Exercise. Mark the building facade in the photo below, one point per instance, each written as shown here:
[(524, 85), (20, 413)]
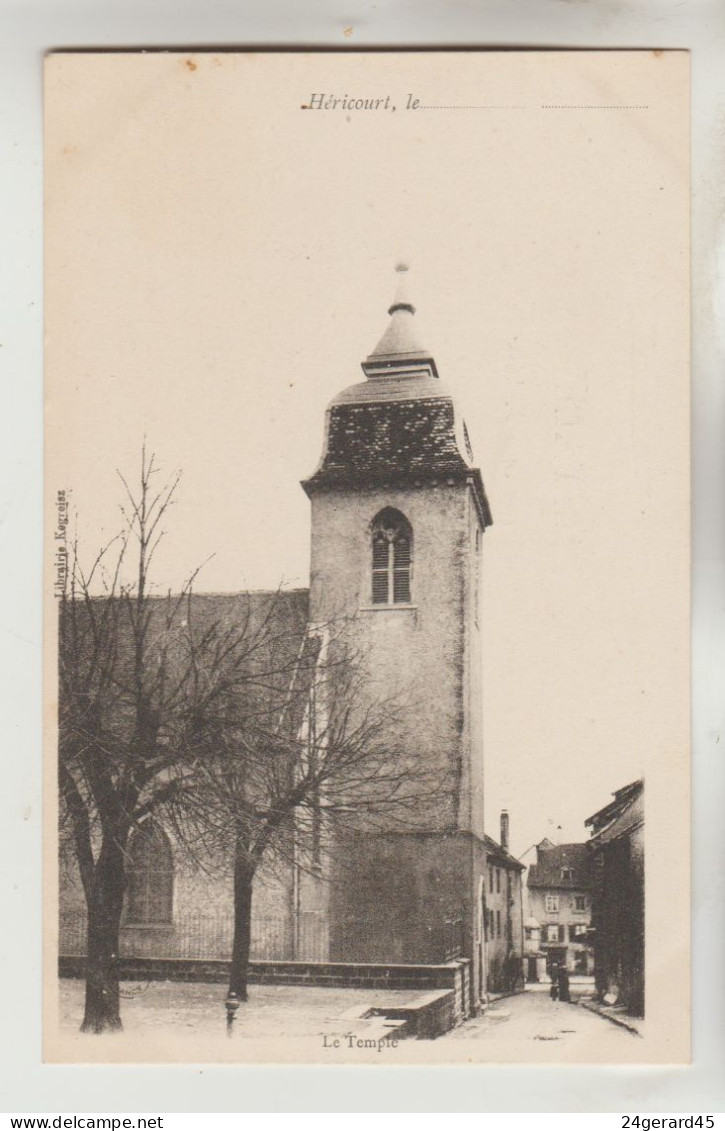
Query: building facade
[(616, 852), (559, 911), (504, 924)]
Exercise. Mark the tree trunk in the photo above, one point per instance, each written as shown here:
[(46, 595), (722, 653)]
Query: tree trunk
[(102, 1009), (243, 881)]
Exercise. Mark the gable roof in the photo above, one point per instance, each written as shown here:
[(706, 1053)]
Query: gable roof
[(564, 866), (498, 855), (267, 629), (620, 818), (622, 799)]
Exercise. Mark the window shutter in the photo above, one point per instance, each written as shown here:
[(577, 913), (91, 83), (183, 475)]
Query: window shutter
[(402, 552), (380, 552), (380, 587), (380, 569), (401, 567), (401, 587), (392, 553), (562, 935)]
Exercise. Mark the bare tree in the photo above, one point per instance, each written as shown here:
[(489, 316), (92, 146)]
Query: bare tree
[(144, 688), (303, 762), (255, 736)]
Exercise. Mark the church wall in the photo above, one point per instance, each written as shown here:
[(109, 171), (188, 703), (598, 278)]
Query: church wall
[(410, 898), (201, 925), (471, 811), (406, 898)]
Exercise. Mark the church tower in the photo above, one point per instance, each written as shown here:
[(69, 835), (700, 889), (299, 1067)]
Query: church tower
[(398, 514)]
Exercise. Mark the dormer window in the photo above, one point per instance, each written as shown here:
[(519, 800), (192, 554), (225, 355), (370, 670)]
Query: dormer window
[(392, 539)]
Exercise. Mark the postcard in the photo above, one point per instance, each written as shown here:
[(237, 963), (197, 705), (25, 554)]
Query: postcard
[(367, 557)]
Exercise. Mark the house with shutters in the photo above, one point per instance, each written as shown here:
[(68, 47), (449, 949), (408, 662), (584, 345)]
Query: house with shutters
[(558, 911), (398, 514), (504, 922)]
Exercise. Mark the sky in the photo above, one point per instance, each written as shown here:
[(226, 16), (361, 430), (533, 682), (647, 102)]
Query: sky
[(220, 262)]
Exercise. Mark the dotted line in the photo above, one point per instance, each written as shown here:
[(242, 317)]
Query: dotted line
[(544, 106), (555, 106), (471, 107)]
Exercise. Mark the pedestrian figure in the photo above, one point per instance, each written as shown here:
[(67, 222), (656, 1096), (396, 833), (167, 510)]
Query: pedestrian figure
[(554, 988), (512, 973), (563, 979)]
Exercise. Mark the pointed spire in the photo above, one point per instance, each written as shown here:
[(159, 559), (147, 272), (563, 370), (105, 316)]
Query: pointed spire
[(401, 300), (399, 344)]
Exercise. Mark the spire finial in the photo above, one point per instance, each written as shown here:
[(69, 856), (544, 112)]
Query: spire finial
[(401, 300), (399, 345)]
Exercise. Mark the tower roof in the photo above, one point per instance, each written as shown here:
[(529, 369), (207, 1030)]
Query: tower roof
[(400, 424), (400, 341), (399, 368)]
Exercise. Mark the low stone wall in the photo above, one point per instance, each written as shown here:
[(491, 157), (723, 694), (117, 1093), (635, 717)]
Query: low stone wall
[(431, 1016), (426, 1018)]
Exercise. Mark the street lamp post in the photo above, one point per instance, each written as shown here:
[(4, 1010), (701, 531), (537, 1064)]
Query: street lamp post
[(232, 1004)]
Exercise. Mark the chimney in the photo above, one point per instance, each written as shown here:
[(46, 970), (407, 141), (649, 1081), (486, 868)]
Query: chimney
[(505, 829)]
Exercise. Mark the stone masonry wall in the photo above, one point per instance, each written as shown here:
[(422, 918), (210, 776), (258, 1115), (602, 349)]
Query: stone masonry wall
[(202, 917), (416, 651)]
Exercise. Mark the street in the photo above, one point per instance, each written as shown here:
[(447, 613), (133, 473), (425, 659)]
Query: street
[(523, 1028), (568, 1031)]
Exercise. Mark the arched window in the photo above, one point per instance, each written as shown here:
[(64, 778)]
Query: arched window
[(149, 876), (392, 557)]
